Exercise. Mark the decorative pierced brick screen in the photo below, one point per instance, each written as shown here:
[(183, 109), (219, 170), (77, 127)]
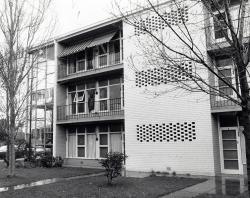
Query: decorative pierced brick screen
[(163, 75), (171, 132), (155, 22)]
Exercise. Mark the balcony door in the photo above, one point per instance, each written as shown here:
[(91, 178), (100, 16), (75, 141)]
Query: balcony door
[(225, 70), (230, 150)]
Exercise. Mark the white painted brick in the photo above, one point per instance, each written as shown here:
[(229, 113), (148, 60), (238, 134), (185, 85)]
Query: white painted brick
[(195, 157)]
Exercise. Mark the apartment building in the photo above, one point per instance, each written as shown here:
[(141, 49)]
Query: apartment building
[(104, 101)]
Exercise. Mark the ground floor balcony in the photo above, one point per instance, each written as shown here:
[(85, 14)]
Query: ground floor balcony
[(86, 143), (106, 109)]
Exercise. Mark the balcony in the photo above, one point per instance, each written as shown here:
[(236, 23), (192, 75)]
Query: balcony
[(215, 38), (220, 104), (99, 64), (42, 97), (111, 109)]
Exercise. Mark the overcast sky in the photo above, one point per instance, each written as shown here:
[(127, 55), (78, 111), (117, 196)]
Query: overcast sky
[(74, 14)]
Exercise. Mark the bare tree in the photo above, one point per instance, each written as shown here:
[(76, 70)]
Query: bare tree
[(169, 43), (21, 27)]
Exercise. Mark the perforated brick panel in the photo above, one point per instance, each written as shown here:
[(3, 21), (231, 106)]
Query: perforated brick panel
[(155, 22), (171, 132), (163, 75)]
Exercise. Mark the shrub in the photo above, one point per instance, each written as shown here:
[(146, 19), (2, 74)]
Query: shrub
[(49, 161), (58, 161), (152, 173), (113, 164)]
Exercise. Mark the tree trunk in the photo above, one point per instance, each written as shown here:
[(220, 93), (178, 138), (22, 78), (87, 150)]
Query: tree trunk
[(12, 140), (11, 155)]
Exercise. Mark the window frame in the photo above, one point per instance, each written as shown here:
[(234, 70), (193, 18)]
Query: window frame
[(221, 68), (103, 146), (76, 91), (82, 145), (77, 65), (226, 29)]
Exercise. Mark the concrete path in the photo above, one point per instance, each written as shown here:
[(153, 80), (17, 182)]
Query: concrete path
[(47, 181), (232, 186)]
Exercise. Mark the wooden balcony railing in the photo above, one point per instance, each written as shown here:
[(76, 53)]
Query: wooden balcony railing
[(81, 110), (98, 62)]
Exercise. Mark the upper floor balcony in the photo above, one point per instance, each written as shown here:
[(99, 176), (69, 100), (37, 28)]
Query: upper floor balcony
[(109, 109), (223, 104), (215, 32), (42, 98), (91, 57)]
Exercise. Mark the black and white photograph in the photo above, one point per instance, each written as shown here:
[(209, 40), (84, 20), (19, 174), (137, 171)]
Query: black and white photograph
[(124, 98)]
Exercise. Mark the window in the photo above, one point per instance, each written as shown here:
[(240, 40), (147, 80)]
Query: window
[(80, 145), (103, 96), (81, 102), (90, 58), (115, 97), (220, 29), (103, 128), (103, 56), (72, 142), (110, 94), (228, 121), (218, 5), (114, 52), (71, 65), (81, 65), (115, 127), (102, 49), (72, 101), (225, 68), (91, 99), (103, 144), (76, 99)]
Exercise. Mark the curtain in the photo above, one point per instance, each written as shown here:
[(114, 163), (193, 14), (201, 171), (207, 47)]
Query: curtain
[(71, 145), (116, 142), (91, 100), (91, 146)]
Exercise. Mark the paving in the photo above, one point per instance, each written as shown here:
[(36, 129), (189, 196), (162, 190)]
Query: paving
[(46, 181), (232, 186)]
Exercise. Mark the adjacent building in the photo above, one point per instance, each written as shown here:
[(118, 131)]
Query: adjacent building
[(40, 99)]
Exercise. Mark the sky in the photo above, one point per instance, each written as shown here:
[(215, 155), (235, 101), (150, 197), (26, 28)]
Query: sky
[(75, 14)]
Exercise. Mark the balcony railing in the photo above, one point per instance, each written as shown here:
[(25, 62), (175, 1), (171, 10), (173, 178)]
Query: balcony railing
[(81, 110), (39, 96), (100, 61), (219, 102), (211, 40)]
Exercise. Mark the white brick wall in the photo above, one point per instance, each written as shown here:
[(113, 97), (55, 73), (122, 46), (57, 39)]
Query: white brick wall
[(141, 107)]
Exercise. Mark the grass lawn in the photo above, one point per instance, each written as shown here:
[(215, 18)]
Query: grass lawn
[(244, 195), (27, 175), (96, 187)]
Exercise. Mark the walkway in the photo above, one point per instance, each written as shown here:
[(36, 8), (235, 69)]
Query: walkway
[(47, 181), (232, 186)]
